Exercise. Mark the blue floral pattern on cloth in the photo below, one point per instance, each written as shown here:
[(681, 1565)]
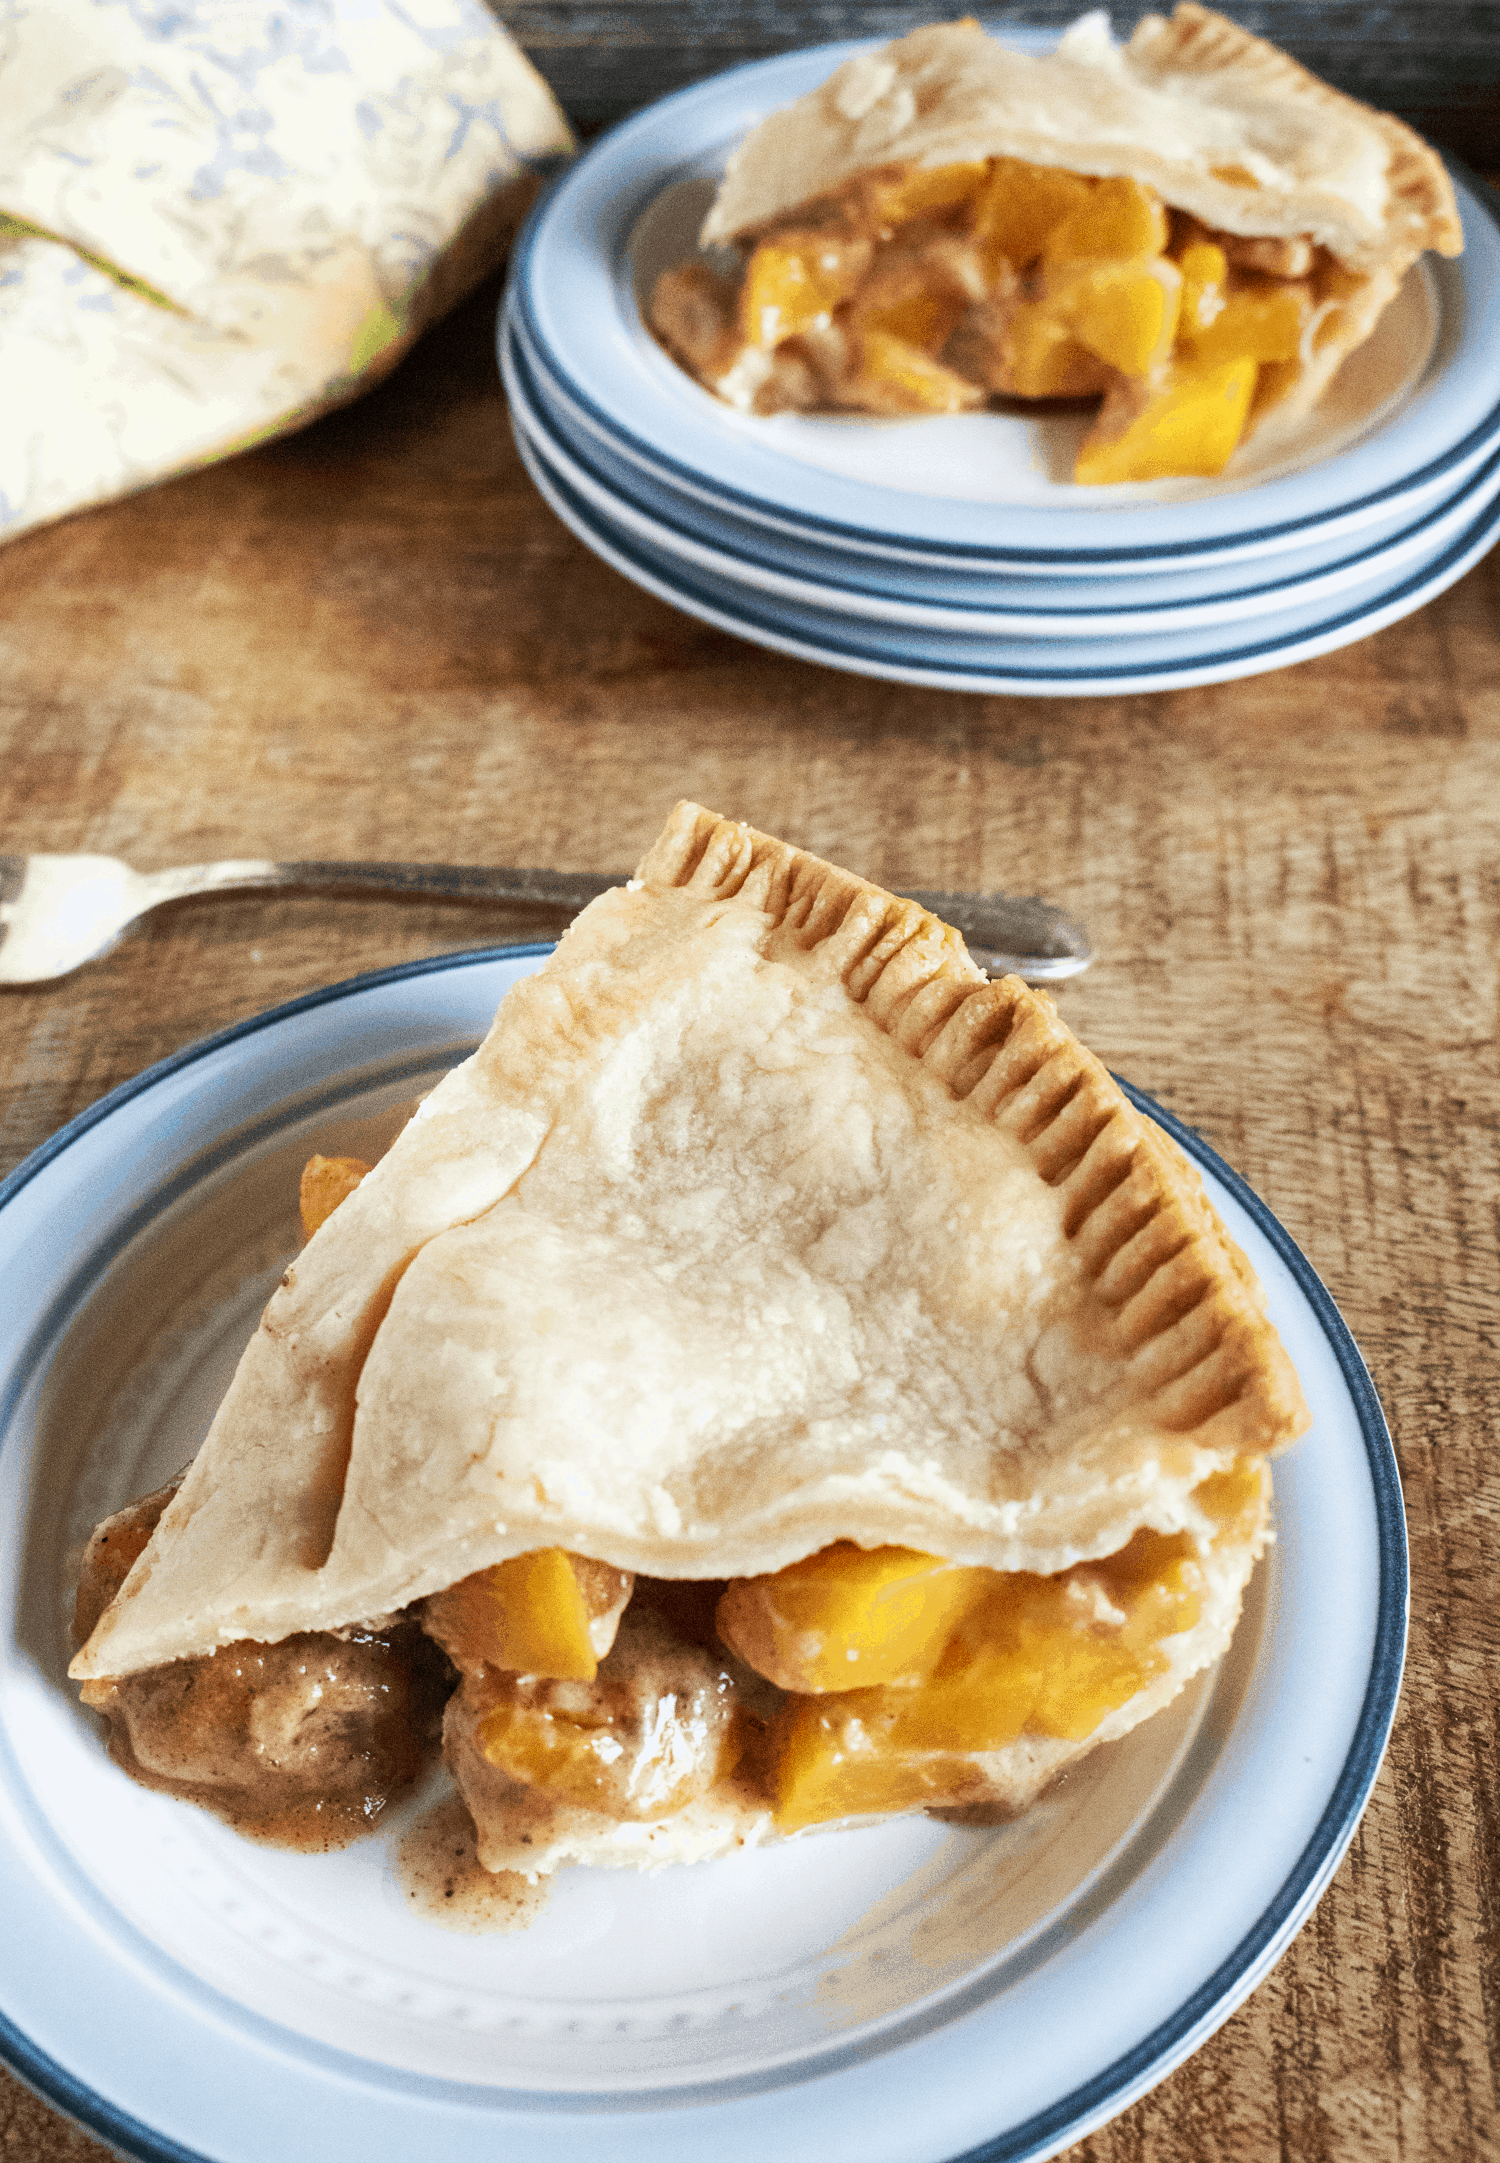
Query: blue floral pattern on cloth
[(218, 217)]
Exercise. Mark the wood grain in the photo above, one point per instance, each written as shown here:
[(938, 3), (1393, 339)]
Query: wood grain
[(1435, 62), (374, 639)]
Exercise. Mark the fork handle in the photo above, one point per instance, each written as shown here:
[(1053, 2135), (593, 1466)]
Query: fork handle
[(1004, 932), (455, 882)]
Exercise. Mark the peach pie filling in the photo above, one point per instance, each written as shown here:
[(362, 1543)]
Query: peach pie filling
[(853, 1682), (933, 289)]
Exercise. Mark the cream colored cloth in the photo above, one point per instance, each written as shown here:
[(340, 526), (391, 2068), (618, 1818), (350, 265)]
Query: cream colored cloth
[(218, 219)]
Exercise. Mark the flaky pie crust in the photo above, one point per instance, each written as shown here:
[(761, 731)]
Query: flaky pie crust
[(1219, 122), (759, 1220)]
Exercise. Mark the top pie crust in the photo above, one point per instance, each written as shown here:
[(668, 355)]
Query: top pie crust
[(759, 1220), (1220, 123)]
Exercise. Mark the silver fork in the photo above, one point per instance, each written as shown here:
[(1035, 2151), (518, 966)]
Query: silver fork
[(57, 912)]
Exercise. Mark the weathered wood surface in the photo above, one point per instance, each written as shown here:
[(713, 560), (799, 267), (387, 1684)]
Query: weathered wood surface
[(374, 639), (1436, 62)]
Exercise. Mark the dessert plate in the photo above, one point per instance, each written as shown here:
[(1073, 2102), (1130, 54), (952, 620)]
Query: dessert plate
[(1371, 568), (911, 1994), (934, 578), (1418, 410), (1055, 667)]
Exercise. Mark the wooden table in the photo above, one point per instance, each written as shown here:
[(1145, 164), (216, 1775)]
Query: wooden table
[(373, 639)]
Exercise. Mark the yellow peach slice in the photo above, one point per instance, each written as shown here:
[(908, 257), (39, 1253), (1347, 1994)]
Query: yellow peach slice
[(924, 320), (326, 1181), (836, 1757), (601, 1756), (1204, 272), (529, 1616), (1187, 422), (848, 1616), (796, 280), (628, 1761), (1124, 313), (1043, 359), (1237, 1500), (932, 191), (1262, 324), (1042, 1655), (1021, 207), (1121, 219), (572, 1757), (895, 376)]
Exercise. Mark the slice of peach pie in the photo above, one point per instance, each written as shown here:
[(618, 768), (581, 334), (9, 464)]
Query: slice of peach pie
[(1190, 228), (780, 1370)]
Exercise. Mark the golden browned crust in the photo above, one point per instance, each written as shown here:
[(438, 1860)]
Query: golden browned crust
[(1170, 1290)]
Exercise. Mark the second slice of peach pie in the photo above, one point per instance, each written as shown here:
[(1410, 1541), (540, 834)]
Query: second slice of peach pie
[(1189, 228), (780, 1370)]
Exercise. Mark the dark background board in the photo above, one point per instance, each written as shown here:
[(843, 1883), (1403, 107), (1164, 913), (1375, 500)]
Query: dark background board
[(1435, 62)]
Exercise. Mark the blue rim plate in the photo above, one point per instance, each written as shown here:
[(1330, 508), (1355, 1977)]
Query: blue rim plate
[(1370, 569), (1048, 668), (1197, 569), (1026, 586), (1261, 549), (572, 288), (156, 2051)]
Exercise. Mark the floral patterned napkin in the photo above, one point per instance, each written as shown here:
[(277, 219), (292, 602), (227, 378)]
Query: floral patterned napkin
[(218, 217)]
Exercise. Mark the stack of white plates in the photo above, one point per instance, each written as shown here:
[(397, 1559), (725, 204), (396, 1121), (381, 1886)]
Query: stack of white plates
[(955, 551)]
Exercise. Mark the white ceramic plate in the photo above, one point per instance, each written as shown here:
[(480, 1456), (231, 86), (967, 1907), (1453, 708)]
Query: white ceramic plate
[(973, 484), (1046, 668), (910, 1994), (1370, 570), (940, 581)]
